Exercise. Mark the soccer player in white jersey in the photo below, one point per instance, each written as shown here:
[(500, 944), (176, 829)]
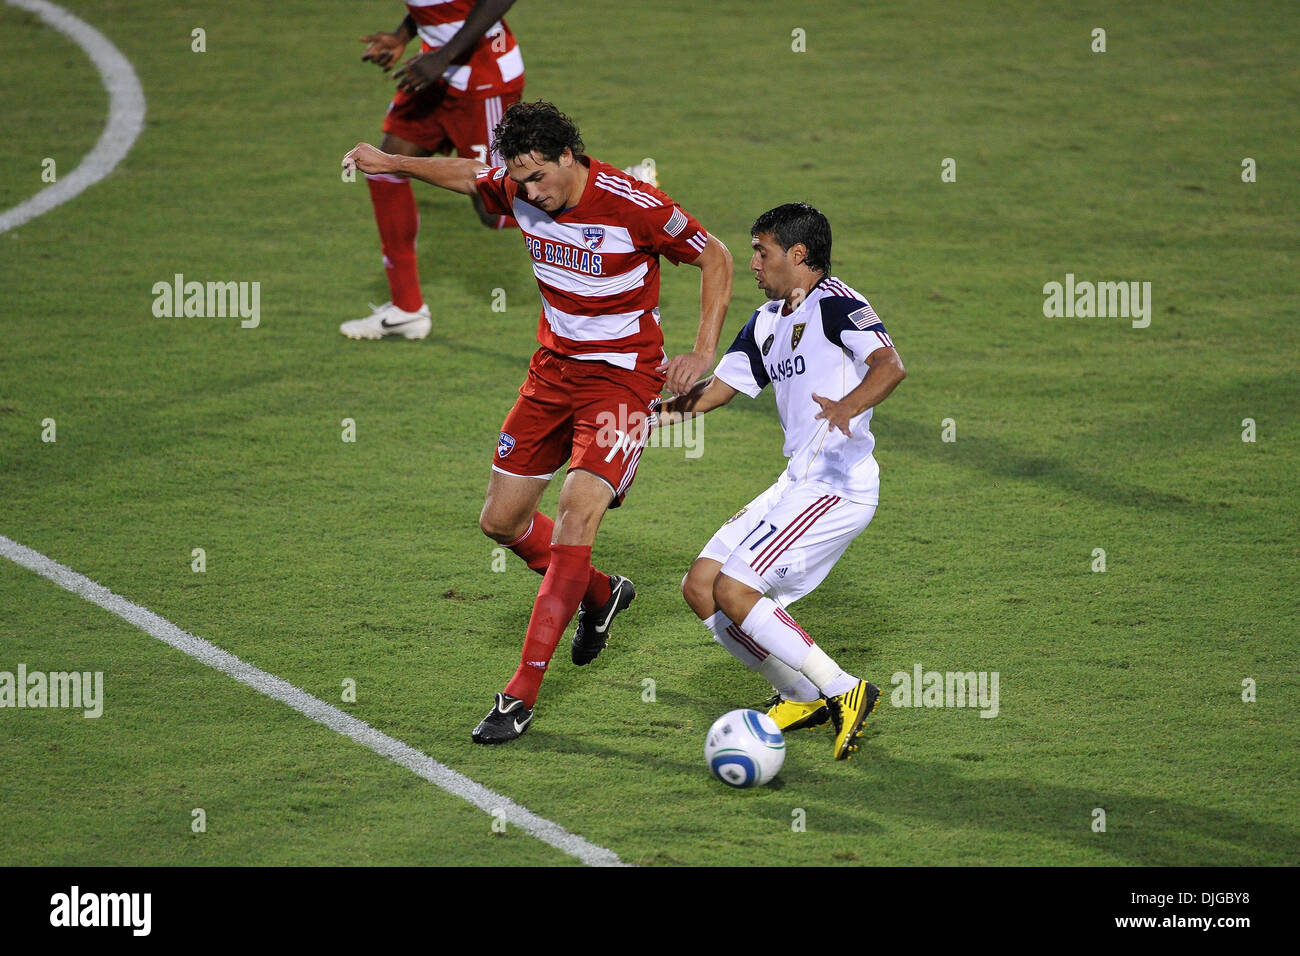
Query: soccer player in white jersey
[(830, 362)]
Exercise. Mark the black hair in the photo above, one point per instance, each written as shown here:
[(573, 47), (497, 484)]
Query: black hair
[(536, 128), (797, 222)]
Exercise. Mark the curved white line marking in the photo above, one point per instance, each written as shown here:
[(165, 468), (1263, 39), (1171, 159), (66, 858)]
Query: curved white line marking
[(125, 113), (421, 764)]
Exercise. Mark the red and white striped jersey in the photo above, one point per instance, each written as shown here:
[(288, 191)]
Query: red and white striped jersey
[(492, 67), (597, 263)]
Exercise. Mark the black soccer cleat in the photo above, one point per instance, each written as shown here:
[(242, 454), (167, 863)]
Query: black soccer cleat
[(507, 719), (593, 626)]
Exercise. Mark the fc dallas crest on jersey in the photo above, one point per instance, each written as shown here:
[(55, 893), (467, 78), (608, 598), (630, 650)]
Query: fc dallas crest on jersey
[(593, 236)]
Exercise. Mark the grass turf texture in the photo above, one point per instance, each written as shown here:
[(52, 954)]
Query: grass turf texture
[(327, 560)]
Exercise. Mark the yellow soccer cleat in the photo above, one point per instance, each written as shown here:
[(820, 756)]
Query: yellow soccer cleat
[(848, 711), (796, 715)]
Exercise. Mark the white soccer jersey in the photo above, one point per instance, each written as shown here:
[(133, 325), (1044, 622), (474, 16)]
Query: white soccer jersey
[(821, 347)]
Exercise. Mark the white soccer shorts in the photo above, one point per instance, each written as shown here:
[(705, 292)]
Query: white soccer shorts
[(785, 541)]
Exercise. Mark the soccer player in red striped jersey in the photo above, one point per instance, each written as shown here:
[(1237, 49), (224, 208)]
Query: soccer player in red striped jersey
[(449, 96), (595, 236), (829, 360)]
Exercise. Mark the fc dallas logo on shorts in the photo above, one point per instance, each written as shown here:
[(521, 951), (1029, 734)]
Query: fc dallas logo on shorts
[(594, 236), (505, 445)]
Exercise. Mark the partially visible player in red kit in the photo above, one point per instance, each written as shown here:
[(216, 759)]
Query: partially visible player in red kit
[(450, 96), (595, 235)]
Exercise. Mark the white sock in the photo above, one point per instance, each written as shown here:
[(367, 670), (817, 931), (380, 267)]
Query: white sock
[(826, 674), (735, 641), (787, 682), (790, 684), (776, 632)]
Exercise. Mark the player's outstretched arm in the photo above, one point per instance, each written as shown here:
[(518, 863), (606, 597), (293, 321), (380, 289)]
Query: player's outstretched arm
[(884, 372), (705, 396), (714, 264), (458, 175)]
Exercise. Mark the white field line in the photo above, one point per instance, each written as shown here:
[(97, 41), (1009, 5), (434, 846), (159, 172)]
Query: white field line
[(125, 114), (337, 720)]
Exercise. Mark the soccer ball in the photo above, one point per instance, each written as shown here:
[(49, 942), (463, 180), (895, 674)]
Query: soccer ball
[(744, 748)]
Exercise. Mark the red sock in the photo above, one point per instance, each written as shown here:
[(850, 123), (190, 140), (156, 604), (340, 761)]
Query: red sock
[(534, 545), (398, 222), (557, 602), (598, 590), (535, 548)]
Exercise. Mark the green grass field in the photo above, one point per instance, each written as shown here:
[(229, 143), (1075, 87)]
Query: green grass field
[(329, 561)]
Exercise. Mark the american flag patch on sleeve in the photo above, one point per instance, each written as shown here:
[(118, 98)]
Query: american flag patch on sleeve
[(865, 317), (676, 223)]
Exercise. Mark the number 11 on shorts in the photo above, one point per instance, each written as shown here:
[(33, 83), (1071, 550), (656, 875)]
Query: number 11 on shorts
[(759, 527)]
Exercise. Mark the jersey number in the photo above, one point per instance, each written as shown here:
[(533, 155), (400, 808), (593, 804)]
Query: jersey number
[(759, 527), (624, 444)]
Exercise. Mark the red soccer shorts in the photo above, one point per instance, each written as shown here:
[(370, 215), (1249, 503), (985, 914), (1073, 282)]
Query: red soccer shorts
[(591, 414), (438, 121)]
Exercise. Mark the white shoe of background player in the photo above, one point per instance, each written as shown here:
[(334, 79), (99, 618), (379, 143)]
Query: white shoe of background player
[(388, 319), (646, 171)]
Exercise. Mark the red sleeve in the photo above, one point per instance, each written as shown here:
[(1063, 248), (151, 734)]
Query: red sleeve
[(672, 232), (493, 185)]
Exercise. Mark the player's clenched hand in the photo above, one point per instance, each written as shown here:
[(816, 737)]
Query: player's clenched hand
[(422, 71), (836, 413), (682, 372), (368, 159), (383, 49)]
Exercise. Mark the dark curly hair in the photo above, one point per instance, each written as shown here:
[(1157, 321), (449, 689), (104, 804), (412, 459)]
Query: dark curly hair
[(539, 128), (797, 222)]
